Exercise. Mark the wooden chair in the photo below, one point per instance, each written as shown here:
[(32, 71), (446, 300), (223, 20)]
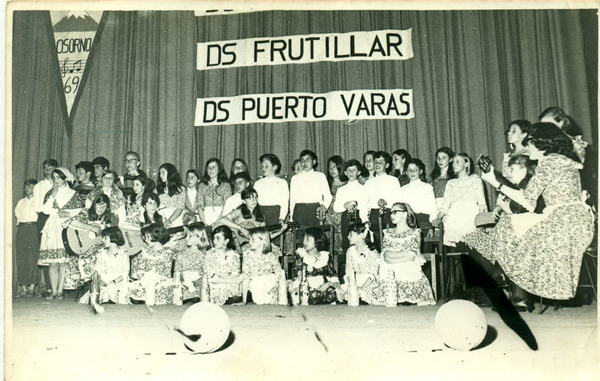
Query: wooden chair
[(432, 249), (293, 240)]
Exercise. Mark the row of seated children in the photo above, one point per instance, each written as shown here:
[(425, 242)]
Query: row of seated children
[(216, 273)]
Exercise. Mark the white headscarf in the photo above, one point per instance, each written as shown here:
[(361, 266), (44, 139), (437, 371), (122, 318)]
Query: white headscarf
[(69, 176)]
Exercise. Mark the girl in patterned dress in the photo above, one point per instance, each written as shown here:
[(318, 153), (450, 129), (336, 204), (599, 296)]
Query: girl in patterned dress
[(151, 270), (262, 274), (336, 179), (213, 191), (111, 276), (60, 203), (189, 263), (222, 267), (362, 267), (401, 263), (542, 253), (170, 190), (322, 278), (463, 200), (90, 221), (134, 207)]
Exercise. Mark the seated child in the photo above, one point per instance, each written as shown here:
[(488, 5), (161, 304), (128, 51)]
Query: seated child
[(322, 278), (110, 280), (189, 263), (262, 274), (362, 266), (151, 270), (401, 262), (222, 268)]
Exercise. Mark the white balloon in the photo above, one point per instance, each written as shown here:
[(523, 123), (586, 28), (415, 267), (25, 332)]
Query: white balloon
[(461, 324), (205, 327)]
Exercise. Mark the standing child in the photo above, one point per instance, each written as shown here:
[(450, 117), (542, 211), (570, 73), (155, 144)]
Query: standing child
[(262, 274), (28, 243), (402, 260), (222, 267), (189, 263), (314, 258), (362, 266), (110, 280), (152, 269)]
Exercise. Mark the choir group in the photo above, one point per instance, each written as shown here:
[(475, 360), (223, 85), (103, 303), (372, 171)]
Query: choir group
[(211, 235)]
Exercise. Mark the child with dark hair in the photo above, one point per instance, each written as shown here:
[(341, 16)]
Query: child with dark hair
[(239, 181), (222, 268), (362, 267), (213, 191), (273, 191), (442, 171), (27, 243), (150, 203), (110, 280), (566, 123), (247, 216), (170, 190), (309, 192), (151, 269), (402, 260), (313, 265), (101, 164), (84, 172), (400, 159), (418, 193)]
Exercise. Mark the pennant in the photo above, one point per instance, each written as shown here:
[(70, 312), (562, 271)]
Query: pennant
[(74, 33)]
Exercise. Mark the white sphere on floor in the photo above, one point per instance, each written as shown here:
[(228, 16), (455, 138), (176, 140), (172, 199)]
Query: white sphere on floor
[(461, 324), (205, 327)]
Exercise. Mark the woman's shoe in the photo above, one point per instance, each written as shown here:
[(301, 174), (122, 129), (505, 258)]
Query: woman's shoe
[(51, 296), (59, 297)]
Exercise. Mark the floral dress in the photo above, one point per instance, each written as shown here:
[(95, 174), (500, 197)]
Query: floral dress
[(190, 264), (168, 205), (264, 273), (323, 281), (411, 284), (463, 200), (542, 253), (52, 248), (365, 266), (335, 219), (222, 265), (114, 271), (211, 199), (153, 267)]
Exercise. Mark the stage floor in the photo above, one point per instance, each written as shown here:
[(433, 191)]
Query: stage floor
[(53, 340)]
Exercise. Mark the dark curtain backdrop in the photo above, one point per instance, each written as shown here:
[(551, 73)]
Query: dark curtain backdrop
[(472, 73)]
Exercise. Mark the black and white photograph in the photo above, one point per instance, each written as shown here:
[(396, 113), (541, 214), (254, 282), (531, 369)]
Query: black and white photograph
[(301, 190)]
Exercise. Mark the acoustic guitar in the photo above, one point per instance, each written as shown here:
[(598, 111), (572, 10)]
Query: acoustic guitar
[(485, 164), (79, 241)]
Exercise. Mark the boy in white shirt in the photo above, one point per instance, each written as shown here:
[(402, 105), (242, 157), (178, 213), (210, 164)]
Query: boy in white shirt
[(308, 191)]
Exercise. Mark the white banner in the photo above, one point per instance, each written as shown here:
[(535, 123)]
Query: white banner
[(291, 107), (365, 46)]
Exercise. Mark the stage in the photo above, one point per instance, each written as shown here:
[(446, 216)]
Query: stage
[(65, 340)]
